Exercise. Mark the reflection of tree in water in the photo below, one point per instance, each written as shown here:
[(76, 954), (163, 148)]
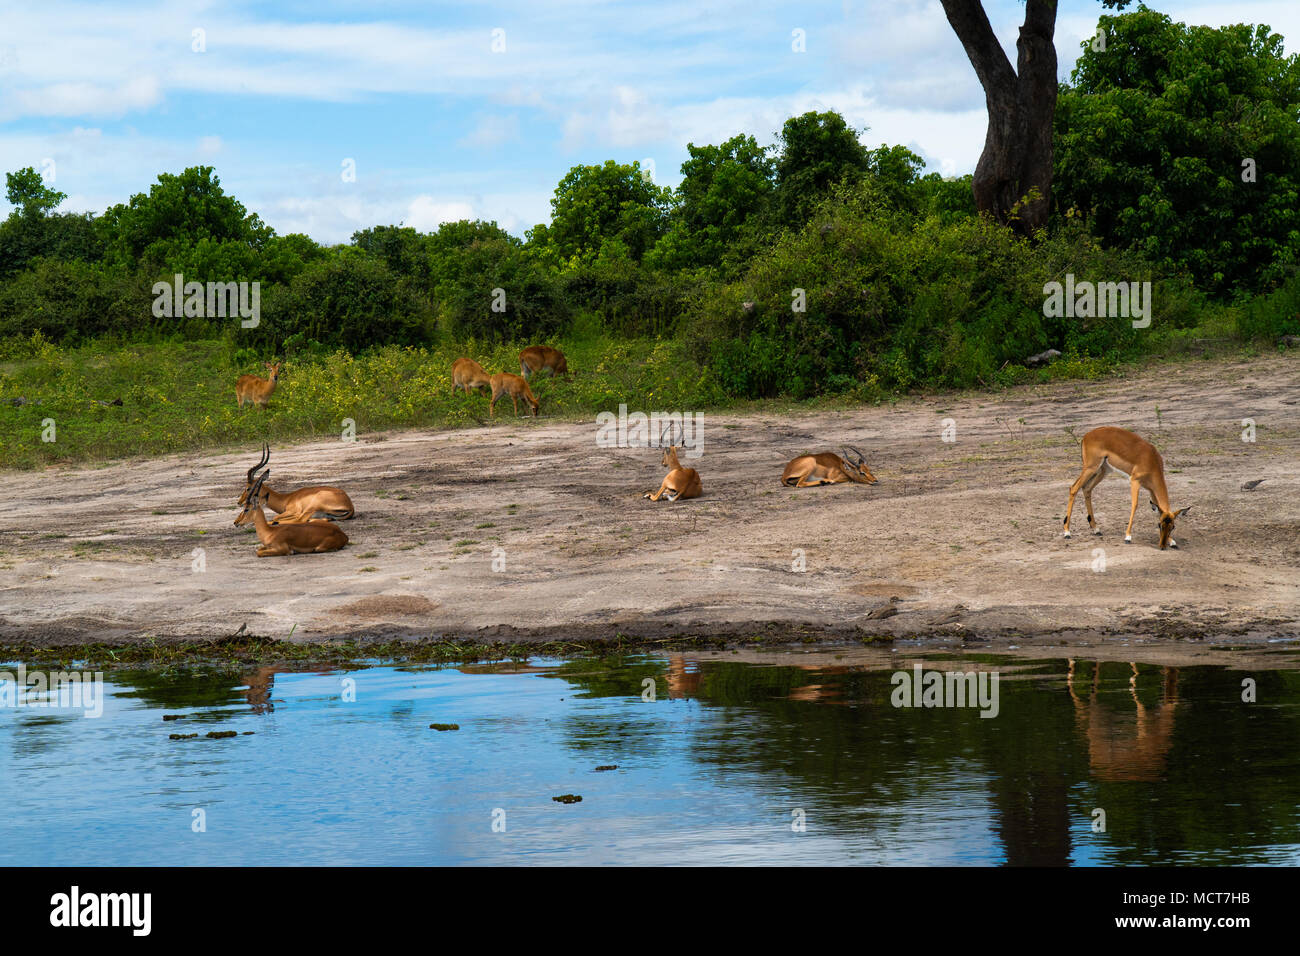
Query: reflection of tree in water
[(213, 689), (862, 756)]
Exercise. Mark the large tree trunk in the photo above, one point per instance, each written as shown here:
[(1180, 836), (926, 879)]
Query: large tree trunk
[(1013, 180)]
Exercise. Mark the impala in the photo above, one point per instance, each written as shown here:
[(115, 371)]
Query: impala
[(503, 383), (257, 391), (310, 537), (467, 374), (297, 506), (537, 357), (828, 468), (1108, 449), (679, 483)]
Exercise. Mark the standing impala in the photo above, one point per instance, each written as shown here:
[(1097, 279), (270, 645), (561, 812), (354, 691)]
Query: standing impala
[(828, 468), (309, 537), (1108, 449), (297, 506), (467, 374), (679, 483), (503, 383), (537, 357), (257, 391)]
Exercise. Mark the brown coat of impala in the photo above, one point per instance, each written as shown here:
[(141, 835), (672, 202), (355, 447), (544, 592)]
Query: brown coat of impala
[(467, 374), (503, 383), (257, 391), (309, 537), (828, 468), (680, 483), (296, 506), (1108, 449), (537, 357)]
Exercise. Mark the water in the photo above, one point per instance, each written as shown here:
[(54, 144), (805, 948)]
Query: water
[(733, 761)]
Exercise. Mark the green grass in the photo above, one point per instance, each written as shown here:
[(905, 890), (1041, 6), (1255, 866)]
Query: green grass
[(178, 396)]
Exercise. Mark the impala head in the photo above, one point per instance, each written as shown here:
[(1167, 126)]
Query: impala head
[(252, 500), (275, 370), (1167, 519), (856, 461), (253, 481), (669, 456)]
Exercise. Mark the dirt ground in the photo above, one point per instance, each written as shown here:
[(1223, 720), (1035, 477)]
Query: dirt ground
[(959, 541)]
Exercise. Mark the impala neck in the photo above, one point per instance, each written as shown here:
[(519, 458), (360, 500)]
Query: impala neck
[(672, 458), (262, 525), (1159, 492)]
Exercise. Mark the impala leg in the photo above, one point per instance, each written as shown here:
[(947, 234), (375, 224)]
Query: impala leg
[(1087, 498), (273, 550), (1074, 490), (492, 407), (1137, 490), (655, 496)]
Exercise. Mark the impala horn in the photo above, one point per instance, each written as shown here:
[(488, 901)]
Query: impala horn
[(266, 456)]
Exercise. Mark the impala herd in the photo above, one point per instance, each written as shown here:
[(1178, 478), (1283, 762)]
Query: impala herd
[(295, 529)]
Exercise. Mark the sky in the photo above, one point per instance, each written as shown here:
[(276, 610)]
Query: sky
[(327, 117)]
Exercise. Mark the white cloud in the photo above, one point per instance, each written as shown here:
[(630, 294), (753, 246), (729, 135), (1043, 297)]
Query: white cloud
[(492, 132), (426, 214)]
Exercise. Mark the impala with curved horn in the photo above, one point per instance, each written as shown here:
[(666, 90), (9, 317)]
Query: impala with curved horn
[(679, 483), (296, 506), (309, 537), (828, 468), (1108, 449)]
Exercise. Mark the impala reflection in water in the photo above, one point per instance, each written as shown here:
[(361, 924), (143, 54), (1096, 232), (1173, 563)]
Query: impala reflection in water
[(684, 759)]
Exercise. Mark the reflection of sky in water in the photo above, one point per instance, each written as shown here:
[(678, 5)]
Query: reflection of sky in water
[(327, 782)]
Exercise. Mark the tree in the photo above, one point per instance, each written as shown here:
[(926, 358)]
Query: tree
[(178, 212), (28, 194), (818, 150), (1013, 178), (1182, 142), (722, 189), (597, 204)]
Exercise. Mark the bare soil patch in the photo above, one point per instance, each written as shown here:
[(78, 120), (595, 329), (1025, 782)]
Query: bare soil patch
[(959, 541)]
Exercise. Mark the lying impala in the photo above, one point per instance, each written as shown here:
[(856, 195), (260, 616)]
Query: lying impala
[(309, 537), (680, 483), (1108, 449), (828, 468), (537, 357), (297, 506), (257, 391), (467, 374), (503, 383)]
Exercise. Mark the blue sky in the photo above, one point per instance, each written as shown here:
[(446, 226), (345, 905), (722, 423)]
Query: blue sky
[(107, 95)]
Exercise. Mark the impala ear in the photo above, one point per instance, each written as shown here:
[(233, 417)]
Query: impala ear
[(1179, 514), (1153, 505)]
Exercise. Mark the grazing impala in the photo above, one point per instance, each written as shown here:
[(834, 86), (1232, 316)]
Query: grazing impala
[(828, 468), (297, 506), (309, 537), (503, 383), (257, 391), (680, 483), (467, 374), (1108, 449), (537, 357)]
